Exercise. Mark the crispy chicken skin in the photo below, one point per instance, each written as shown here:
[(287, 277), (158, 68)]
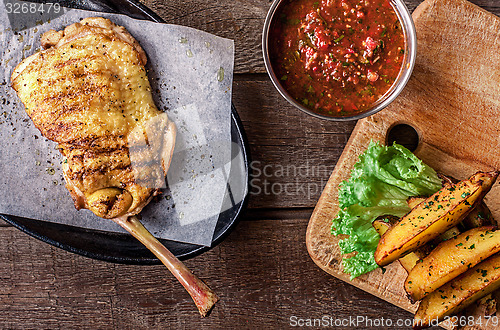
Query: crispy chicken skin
[(89, 92)]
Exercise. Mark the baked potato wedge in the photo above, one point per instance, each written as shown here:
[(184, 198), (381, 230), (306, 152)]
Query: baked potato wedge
[(408, 261), (434, 216), (414, 201), (450, 259), (383, 223), (480, 216), (452, 232), (461, 292), (447, 180)]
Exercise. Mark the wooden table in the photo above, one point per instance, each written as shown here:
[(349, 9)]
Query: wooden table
[(262, 271)]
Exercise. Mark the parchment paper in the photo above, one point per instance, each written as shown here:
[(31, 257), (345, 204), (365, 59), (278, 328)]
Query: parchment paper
[(190, 72)]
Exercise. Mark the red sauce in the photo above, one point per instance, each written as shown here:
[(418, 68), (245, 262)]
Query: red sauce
[(337, 57)]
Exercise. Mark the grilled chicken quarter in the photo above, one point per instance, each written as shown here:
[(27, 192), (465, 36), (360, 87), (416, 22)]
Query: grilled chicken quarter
[(89, 92)]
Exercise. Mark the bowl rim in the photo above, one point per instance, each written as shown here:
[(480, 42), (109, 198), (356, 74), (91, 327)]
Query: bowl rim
[(404, 75)]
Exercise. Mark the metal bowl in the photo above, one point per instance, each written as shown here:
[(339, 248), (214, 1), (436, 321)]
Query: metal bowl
[(410, 37)]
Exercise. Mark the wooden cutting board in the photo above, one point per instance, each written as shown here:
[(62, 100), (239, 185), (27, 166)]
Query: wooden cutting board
[(453, 102)]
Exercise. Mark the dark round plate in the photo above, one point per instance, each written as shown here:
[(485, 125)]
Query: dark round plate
[(123, 248)]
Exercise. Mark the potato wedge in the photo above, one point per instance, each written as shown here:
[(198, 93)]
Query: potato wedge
[(382, 224), (449, 234), (411, 259), (408, 261), (414, 201), (450, 259), (479, 216), (454, 296), (452, 232), (447, 180), (434, 216)]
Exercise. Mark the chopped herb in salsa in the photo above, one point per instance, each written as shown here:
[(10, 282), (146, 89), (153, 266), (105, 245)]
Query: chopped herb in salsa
[(338, 56)]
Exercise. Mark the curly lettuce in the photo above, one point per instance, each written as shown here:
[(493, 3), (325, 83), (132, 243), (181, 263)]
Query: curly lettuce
[(381, 182)]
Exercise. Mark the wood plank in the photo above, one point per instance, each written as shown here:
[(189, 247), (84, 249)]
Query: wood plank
[(262, 282), (242, 21), (450, 95)]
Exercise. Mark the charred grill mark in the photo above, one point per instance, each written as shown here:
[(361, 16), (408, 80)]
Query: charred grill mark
[(73, 78), (82, 172), (55, 131), (77, 159), (55, 82), (84, 89), (59, 129), (98, 143), (57, 106), (59, 65), (86, 162), (121, 177), (84, 60)]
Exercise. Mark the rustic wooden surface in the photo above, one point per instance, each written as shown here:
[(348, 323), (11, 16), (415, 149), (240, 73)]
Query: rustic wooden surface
[(262, 271), (450, 91)]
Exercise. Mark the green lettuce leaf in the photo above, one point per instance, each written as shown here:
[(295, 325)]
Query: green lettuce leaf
[(381, 182)]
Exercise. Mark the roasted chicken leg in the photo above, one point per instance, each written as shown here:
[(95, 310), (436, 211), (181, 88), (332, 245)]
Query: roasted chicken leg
[(89, 92)]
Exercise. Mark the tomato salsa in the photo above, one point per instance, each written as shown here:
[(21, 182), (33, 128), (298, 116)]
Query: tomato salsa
[(336, 57)]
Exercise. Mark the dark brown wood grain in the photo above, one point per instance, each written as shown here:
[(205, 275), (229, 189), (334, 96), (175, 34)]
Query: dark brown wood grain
[(261, 281)]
